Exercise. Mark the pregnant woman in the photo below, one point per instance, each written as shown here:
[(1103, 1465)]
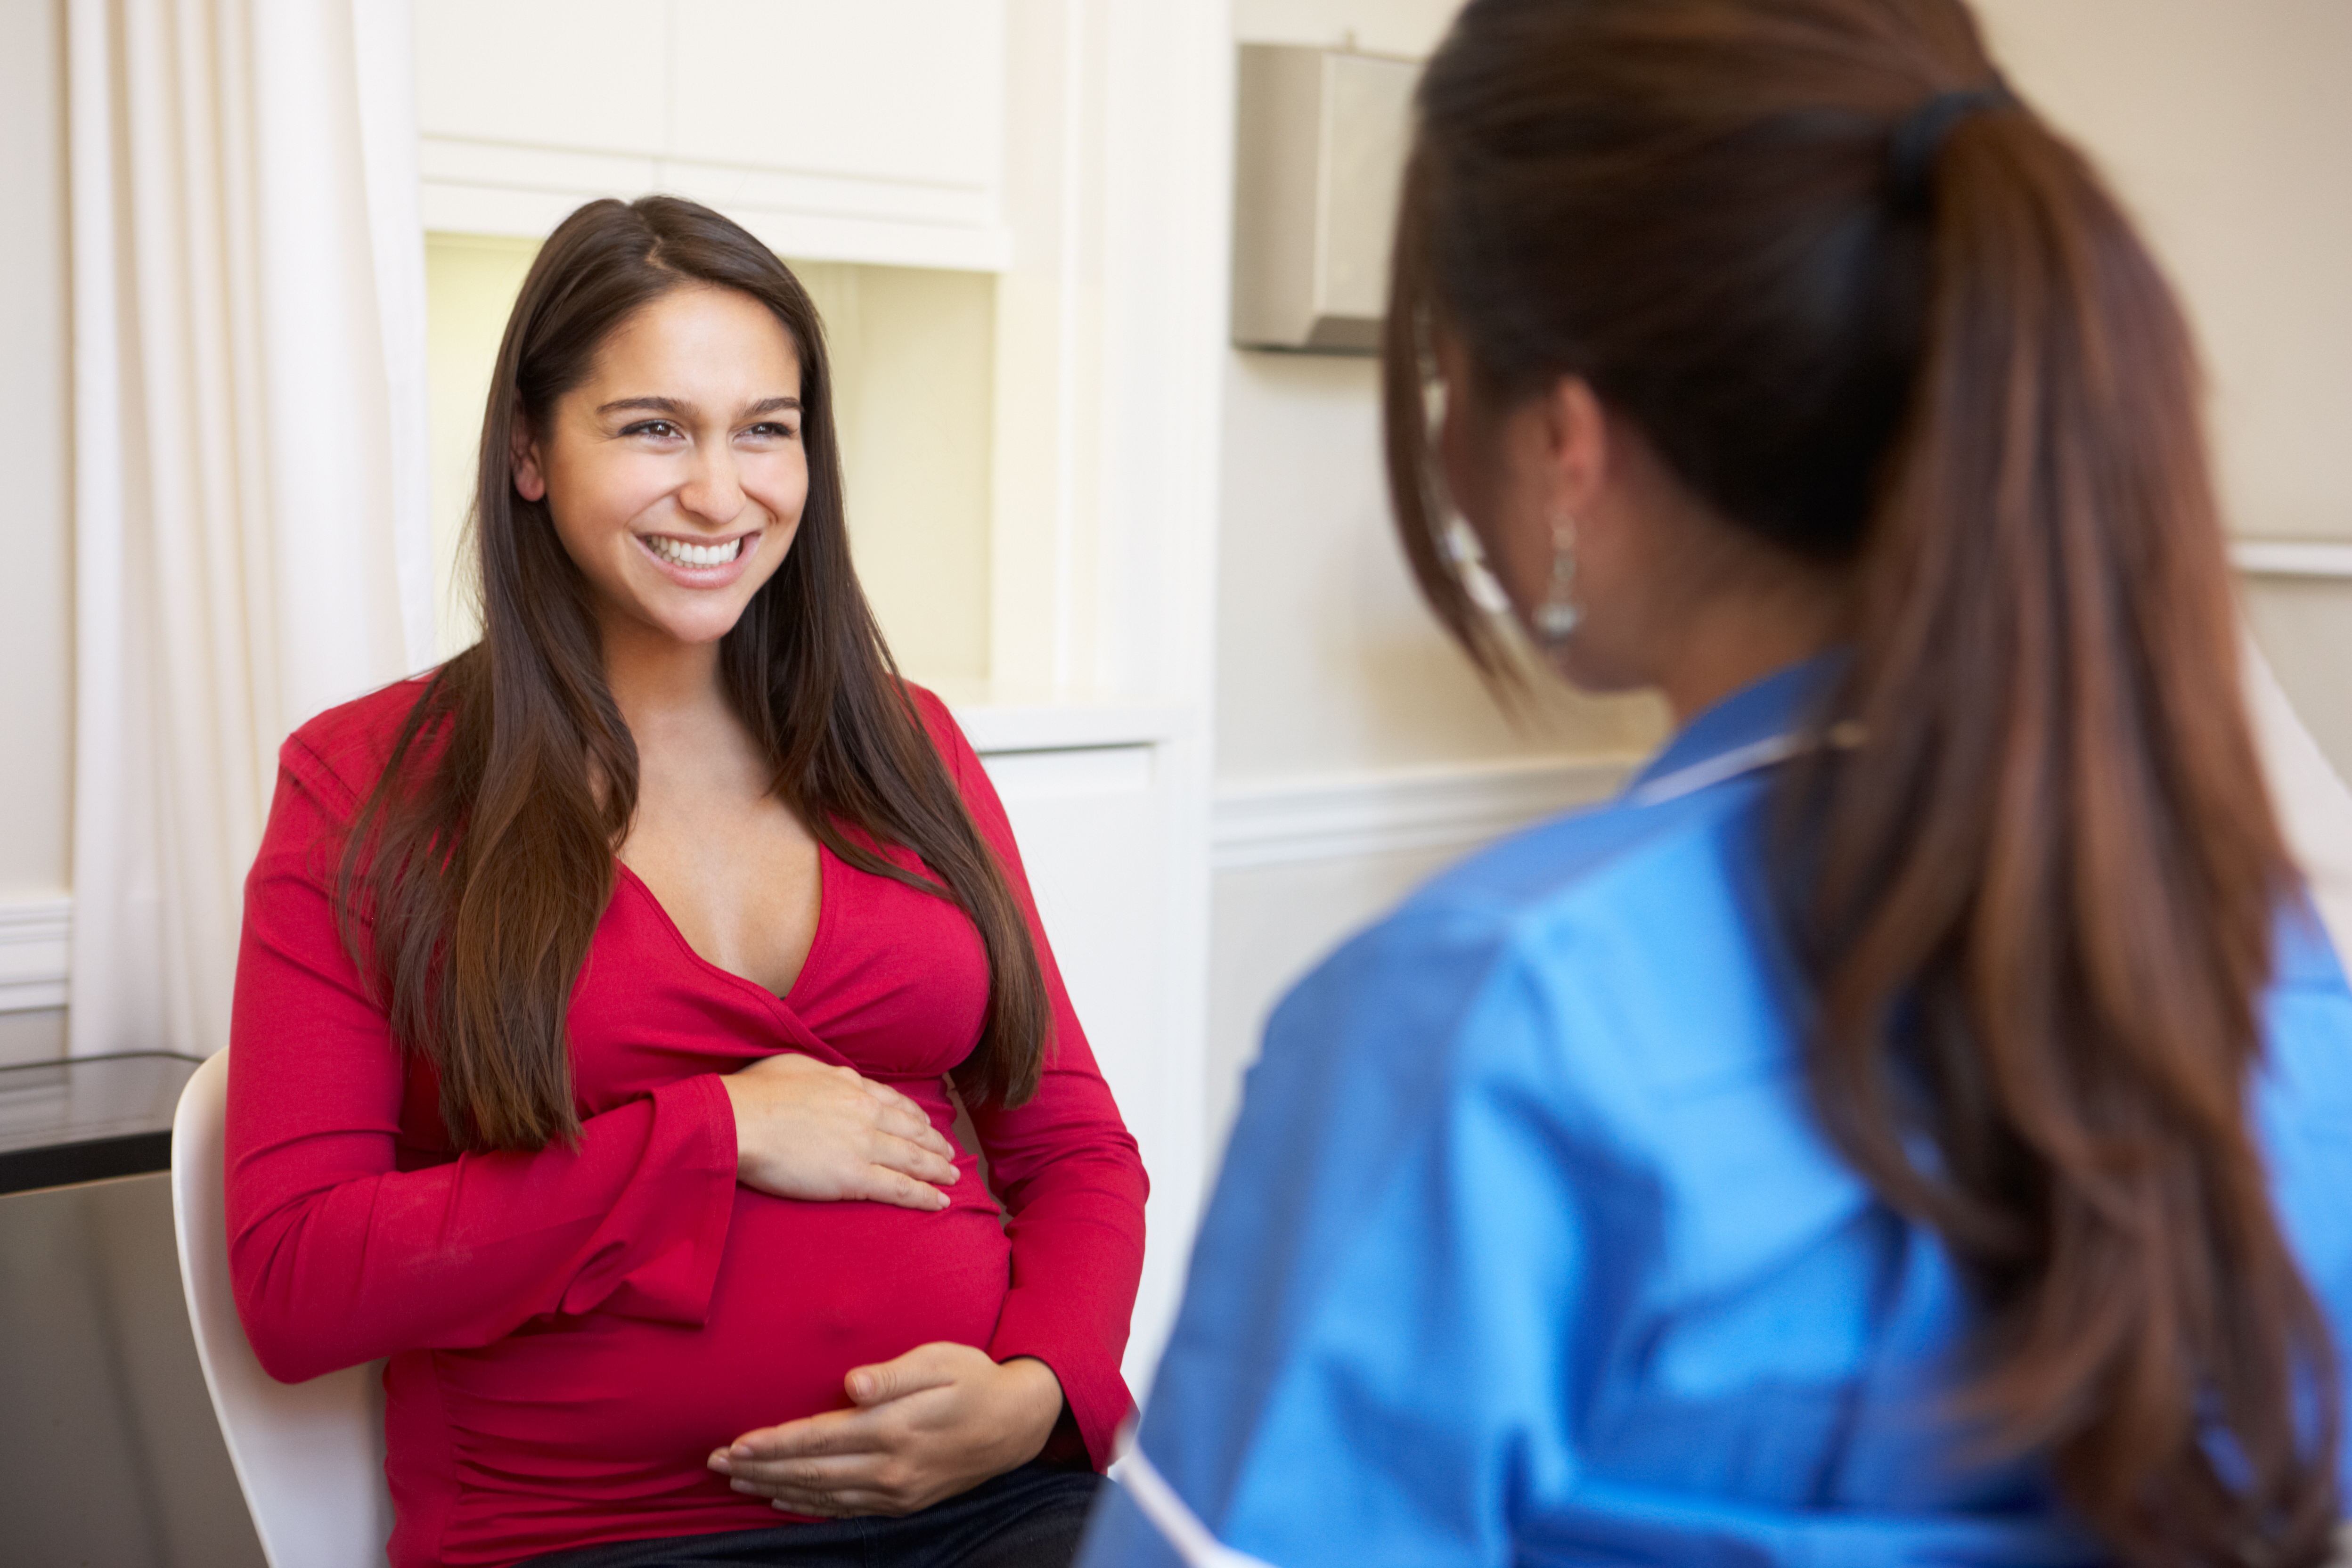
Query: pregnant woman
[(607, 997)]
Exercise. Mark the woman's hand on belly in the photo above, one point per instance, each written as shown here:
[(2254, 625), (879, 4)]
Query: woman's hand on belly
[(804, 1129), (937, 1421)]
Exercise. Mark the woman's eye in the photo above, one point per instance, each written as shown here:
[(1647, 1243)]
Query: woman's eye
[(659, 429), (773, 430)]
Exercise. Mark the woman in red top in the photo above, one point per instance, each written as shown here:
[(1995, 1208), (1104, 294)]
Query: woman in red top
[(602, 993)]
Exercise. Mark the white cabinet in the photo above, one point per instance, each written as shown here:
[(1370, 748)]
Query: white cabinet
[(587, 76), (1098, 800), (909, 91), (868, 132)]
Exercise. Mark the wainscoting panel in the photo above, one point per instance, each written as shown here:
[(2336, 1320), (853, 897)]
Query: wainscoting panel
[(1386, 812), (1297, 866)]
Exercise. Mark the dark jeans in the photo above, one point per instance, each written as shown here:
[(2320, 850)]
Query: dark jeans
[(1028, 1518)]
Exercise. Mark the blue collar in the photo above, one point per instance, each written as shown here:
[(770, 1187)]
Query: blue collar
[(1759, 724)]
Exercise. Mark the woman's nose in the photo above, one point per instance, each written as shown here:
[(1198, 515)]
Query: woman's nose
[(713, 491)]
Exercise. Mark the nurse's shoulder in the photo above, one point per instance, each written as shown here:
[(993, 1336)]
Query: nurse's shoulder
[(1622, 923), (1616, 973)]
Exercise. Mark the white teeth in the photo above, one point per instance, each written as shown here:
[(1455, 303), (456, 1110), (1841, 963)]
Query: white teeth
[(679, 552)]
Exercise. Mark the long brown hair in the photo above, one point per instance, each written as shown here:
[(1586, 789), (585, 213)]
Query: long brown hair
[(478, 868), (2036, 901)]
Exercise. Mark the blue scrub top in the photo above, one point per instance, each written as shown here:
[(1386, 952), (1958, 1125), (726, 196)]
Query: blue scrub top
[(1526, 1249)]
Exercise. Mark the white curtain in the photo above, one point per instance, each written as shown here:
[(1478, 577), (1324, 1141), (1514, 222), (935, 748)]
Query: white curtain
[(251, 534)]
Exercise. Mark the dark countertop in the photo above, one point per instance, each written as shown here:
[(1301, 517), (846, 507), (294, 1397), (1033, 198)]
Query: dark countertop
[(87, 1119)]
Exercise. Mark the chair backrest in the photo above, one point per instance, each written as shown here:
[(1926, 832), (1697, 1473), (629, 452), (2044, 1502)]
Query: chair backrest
[(308, 1454)]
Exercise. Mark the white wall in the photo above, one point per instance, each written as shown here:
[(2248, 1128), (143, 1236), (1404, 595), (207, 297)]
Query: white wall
[(470, 284), (914, 366), (2227, 126), (2227, 131), (36, 527), (1328, 661), (1336, 693), (1269, 925), (2305, 628)]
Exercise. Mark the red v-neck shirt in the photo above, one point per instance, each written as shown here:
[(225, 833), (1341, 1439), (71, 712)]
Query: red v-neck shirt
[(571, 1332)]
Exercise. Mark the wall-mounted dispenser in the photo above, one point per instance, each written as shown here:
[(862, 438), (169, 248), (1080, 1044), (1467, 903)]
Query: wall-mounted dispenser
[(1319, 145)]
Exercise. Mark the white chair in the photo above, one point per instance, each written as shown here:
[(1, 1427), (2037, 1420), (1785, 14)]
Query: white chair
[(309, 1456)]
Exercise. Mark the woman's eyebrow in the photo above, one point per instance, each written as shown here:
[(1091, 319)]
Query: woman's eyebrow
[(678, 408)]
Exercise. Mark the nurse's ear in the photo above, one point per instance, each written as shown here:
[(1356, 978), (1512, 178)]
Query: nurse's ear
[(1576, 444), (530, 475)]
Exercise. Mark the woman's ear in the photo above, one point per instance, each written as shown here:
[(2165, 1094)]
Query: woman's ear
[(1577, 444), (530, 479)]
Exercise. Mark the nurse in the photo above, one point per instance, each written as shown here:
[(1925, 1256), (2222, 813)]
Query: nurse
[(1913, 1124)]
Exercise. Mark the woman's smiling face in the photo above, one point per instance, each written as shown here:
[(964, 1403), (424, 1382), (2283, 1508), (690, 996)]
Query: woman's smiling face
[(675, 472)]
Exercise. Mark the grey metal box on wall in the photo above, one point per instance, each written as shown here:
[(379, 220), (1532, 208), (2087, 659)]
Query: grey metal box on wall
[(1319, 148)]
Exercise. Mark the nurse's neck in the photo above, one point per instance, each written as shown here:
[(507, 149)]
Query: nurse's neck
[(1681, 600), (1737, 643), (1676, 597)]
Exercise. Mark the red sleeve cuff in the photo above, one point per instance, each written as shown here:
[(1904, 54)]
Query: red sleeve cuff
[(693, 1144), (1092, 1387)]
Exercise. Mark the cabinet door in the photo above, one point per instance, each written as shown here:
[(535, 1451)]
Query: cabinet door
[(586, 75), (1094, 825), (868, 132), (906, 90)]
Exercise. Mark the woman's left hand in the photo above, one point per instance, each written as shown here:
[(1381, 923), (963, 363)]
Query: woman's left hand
[(937, 1421)]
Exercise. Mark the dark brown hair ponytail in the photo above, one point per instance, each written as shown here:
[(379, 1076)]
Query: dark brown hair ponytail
[(2037, 900), (473, 879)]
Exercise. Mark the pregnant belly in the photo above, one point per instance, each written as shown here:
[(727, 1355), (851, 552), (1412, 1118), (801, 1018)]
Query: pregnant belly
[(631, 1408)]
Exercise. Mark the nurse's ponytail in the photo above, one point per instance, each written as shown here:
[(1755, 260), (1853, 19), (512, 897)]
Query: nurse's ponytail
[(2054, 853), (1875, 311)]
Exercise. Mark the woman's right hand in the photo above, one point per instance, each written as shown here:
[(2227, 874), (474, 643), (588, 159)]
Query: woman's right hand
[(804, 1129)]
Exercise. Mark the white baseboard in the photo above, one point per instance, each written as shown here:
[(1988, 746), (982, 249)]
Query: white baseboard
[(34, 934), (1383, 813)]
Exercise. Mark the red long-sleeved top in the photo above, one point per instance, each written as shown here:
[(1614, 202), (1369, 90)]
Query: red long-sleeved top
[(571, 1332)]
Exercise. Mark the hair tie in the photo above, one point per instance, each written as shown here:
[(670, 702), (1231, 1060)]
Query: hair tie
[(1918, 140)]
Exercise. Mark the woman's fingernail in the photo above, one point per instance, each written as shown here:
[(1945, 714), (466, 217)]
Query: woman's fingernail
[(719, 1462)]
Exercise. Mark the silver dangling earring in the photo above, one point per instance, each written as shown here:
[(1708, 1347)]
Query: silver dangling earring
[(1556, 616), (1467, 558)]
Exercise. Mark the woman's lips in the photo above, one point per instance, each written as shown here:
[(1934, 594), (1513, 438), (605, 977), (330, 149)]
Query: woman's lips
[(713, 574)]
